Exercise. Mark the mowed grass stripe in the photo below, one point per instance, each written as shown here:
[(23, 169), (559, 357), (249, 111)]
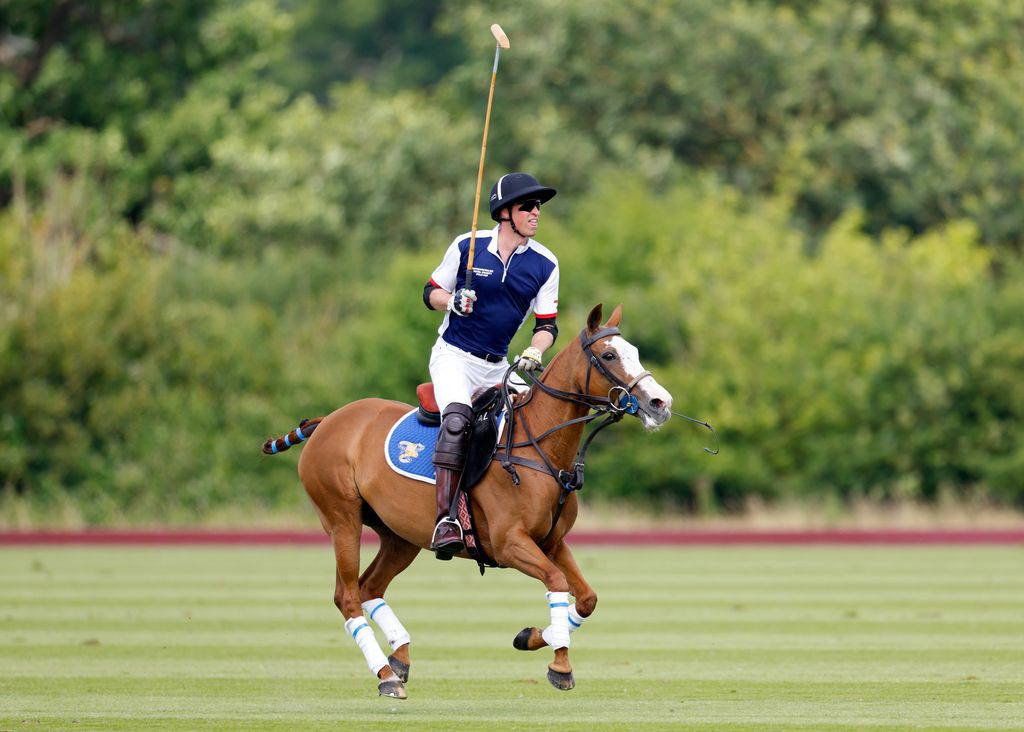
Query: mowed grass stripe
[(796, 636), (628, 702), (737, 638), (866, 667)]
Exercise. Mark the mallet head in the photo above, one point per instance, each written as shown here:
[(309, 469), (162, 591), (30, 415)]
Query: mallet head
[(499, 35)]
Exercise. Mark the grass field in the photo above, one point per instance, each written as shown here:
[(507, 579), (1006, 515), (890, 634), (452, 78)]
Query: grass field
[(696, 638)]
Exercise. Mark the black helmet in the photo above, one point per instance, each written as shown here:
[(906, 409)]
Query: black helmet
[(513, 187)]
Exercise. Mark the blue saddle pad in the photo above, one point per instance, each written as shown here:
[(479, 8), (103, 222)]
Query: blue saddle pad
[(409, 447)]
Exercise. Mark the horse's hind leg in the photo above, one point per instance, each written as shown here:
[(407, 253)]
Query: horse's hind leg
[(346, 597), (393, 557)]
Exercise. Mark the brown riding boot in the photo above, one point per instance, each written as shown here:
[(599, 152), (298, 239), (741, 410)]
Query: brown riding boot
[(447, 539), (449, 459)]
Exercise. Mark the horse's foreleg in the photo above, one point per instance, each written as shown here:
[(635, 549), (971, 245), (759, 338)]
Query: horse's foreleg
[(346, 597), (522, 553), (586, 598), (532, 639)]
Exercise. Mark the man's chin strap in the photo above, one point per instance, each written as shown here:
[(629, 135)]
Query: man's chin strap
[(513, 225)]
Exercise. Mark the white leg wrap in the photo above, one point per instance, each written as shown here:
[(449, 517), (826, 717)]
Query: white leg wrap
[(381, 613), (556, 635), (363, 635), (575, 620)]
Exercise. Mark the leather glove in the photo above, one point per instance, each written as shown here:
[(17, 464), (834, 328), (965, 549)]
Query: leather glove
[(529, 360), (461, 301)]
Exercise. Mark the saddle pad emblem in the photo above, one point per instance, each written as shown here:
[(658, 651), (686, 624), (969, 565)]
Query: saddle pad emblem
[(409, 448)]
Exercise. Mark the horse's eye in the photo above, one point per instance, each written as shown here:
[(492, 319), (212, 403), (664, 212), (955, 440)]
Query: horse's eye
[(608, 355)]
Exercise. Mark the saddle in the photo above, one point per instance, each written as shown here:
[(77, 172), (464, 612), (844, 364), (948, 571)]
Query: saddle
[(483, 436)]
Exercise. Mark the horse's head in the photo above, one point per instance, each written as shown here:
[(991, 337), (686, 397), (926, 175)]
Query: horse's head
[(614, 370)]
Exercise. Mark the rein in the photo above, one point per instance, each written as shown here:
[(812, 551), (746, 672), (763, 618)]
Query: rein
[(619, 402)]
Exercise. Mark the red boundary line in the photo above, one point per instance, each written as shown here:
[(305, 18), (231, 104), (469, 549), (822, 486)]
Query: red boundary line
[(695, 537)]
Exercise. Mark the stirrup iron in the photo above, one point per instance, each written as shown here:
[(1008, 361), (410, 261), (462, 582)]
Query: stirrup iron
[(453, 522)]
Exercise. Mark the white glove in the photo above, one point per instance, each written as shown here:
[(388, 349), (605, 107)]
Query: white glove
[(529, 360), (461, 301)]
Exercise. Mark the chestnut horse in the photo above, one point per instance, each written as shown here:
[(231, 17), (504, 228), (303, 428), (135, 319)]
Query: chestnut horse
[(345, 473)]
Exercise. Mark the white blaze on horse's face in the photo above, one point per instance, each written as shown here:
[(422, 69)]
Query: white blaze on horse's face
[(655, 401)]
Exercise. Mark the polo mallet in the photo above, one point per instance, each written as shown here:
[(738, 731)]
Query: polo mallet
[(502, 42)]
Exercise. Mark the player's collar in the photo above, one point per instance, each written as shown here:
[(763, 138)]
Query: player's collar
[(492, 246)]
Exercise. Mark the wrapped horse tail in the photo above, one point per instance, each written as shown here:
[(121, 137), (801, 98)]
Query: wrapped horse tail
[(297, 435)]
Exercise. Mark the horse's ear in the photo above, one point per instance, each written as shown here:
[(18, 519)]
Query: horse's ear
[(594, 319), (613, 321)]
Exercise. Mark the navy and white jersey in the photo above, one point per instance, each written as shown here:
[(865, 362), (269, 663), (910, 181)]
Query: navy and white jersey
[(506, 293)]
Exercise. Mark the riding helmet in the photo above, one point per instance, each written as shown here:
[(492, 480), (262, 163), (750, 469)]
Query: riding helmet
[(513, 187)]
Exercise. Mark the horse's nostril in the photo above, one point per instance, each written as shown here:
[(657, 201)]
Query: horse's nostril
[(658, 404)]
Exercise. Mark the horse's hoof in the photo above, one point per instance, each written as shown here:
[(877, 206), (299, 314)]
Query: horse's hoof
[(565, 682), (393, 688), (401, 669), (528, 639)]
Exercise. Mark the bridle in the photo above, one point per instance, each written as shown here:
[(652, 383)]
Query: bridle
[(619, 402), (620, 399), (626, 401)]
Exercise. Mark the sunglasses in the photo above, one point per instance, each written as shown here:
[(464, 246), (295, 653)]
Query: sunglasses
[(528, 206)]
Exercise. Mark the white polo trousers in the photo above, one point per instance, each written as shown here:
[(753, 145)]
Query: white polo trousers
[(456, 374)]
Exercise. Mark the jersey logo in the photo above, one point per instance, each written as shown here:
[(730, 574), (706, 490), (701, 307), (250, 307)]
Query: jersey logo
[(483, 271), (410, 451)]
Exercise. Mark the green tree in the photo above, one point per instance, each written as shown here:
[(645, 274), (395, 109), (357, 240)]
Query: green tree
[(390, 44), (869, 369), (908, 111)]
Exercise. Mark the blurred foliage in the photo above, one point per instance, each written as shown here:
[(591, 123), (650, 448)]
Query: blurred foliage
[(871, 369), (394, 45), (909, 111), (138, 381), (216, 218), (295, 172)]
